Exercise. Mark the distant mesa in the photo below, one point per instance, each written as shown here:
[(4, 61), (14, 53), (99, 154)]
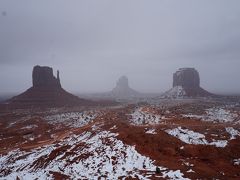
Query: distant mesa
[(121, 92), (45, 91), (122, 89), (186, 83)]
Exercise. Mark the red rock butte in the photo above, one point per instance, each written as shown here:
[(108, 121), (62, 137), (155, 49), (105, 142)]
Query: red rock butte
[(46, 91), (186, 83)]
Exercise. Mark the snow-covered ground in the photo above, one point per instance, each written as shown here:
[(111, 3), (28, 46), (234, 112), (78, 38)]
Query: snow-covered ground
[(233, 132), (72, 119), (216, 114), (191, 137), (140, 117), (175, 92), (85, 156), (221, 115)]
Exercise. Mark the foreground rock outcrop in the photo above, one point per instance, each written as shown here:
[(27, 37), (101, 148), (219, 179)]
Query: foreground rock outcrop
[(46, 91), (186, 83)]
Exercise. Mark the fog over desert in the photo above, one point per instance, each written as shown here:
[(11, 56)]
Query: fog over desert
[(101, 89)]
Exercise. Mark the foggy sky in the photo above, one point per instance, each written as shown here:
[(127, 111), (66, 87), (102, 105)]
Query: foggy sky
[(94, 42)]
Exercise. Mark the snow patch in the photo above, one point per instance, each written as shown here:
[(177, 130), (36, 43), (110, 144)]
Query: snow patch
[(236, 162), (72, 119), (113, 128), (174, 175), (215, 114), (191, 137), (139, 117), (30, 126), (190, 171), (221, 115), (175, 92), (233, 132), (151, 131)]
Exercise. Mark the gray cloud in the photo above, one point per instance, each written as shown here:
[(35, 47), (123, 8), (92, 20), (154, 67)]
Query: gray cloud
[(94, 42)]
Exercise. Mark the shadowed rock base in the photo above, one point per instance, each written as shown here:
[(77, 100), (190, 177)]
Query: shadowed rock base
[(45, 96)]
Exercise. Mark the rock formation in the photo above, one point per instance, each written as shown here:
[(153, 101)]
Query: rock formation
[(122, 86), (122, 89), (186, 83), (43, 77), (187, 78), (46, 91)]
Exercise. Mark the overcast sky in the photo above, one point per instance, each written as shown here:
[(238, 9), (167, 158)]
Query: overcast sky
[(94, 42)]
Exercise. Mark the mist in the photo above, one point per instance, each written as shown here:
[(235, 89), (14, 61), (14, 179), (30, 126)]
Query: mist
[(94, 42)]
